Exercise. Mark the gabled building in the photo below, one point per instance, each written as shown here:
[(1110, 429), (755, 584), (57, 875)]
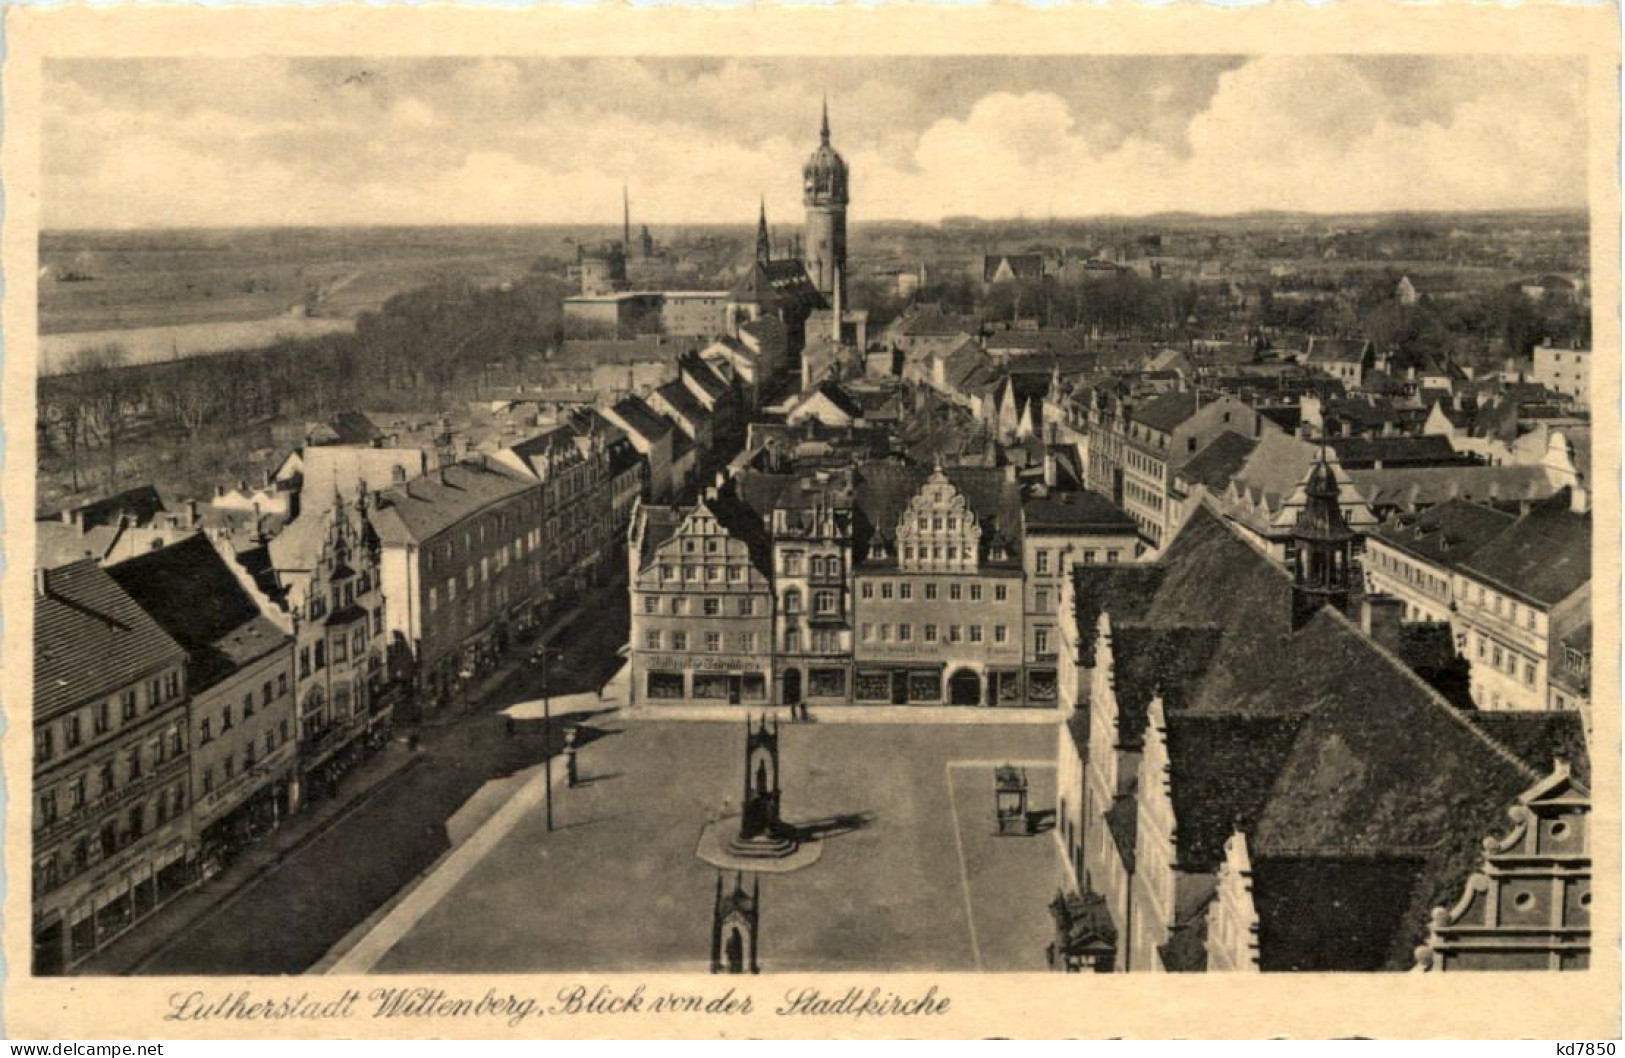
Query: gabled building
[(112, 833), (1260, 783), (702, 603), (1345, 359)]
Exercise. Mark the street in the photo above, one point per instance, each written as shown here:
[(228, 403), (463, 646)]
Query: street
[(288, 918)]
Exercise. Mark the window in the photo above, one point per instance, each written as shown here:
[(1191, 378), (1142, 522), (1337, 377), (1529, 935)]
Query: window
[(1000, 593), (208, 780), (225, 719), (931, 592), (905, 633), (885, 589), (955, 633), (679, 641), (1043, 561), (713, 573), (127, 705), (792, 563), (103, 718), (885, 632), (955, 592), (713, 642), (679, 605), (651, 604), (975, 593), (747, 642), (824, 602), (104, 778), (270, 742), (975, 633), (651, 639), (1529, 673), (792, 641), (75, 734), (712, 607), (868, 632), (321, 655), (1041, 640), (868, 590), (132, 762), (1041, 600), (747, 606), (341, 649), (281, 684), (905, 591), (792, 601), (930, 633), (1001, 634)]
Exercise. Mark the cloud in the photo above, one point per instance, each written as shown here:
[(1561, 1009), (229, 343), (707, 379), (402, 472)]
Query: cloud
[(355, 140)]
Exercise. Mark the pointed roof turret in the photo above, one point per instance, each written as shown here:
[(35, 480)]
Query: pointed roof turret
[(764, 244), (823, 128)]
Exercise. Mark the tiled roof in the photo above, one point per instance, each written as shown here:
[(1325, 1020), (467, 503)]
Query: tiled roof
[(1540, 739), (421, 509), (1073, 511), (141, 504), (642, 419), (1122, 822), (1219, 461), (1395, 451), (686, 403), (1544, 556), (91, 638), (659, 523), (885, 489), (195, 597), (1124, 590), (1331, 913), (1337, 350), (1166, 412), (1148, 661), (1447, 534), (1409, 487), (1222, 770)]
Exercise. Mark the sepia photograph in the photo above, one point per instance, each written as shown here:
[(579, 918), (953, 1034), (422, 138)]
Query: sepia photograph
[(742, 514)]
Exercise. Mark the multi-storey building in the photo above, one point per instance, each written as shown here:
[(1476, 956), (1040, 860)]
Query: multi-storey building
[(702, 603), (1058, 531), (811, 524), (461, 561), (1414, 558), (319, 580), (1566, 371), (112, 825), (1136, 448), (577, 506), (938, 587), (239, 675), (1519, 596)]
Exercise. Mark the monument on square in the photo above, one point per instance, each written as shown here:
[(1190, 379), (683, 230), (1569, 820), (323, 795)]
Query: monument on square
[(734, 923), (759, 839)]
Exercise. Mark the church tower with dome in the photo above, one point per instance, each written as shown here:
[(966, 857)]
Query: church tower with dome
[(824, 184)]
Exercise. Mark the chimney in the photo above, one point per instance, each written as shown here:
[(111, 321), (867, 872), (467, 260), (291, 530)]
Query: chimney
[(1579, 499), (1382, 618), (191, 514)]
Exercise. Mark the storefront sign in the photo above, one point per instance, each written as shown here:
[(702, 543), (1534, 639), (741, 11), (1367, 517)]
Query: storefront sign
[(704, 662)]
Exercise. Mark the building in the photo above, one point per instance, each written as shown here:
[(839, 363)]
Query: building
[(572, 469), (320, 581), (1519, 596), (1136, 449), (702, 603), (824, 180), (1060, 530), (655, 438), (811, 526), (1414, 558), (1566, 371), (1345, 359), (240, 684), (461, 562), (112, 825), (937, 585), (1259, 782)]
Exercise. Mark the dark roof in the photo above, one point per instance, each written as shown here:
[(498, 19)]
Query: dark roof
[(885, 489), (1324, 913), (1124, 590), (832, 392), (1166, 412), (1447, 534), (778, 284), (352, 428), (195, 597), (1148, 661), (704, 376), (91, 638), (1219, 461), (684, 401), (1122, 821), (1337, 350), (587, 352), (1073, 512), (1540, 739), (1221, 772), (1430, 450), (642, 419), (420, 509), (1022, 265), (1544, 556), (659, 523), (141, 504)]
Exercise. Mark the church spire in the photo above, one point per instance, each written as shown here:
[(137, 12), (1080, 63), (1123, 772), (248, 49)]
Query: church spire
[(764, 245), (823, 130)]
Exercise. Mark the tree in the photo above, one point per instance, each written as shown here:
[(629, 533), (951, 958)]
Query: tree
[(110, 395)]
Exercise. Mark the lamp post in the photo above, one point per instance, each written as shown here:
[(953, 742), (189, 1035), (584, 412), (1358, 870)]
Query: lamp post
[(540, 658)]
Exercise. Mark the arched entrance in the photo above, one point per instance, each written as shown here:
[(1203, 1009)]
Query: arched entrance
[(792, 686), (965, 688)]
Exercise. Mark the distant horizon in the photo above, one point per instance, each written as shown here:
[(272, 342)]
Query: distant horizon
[(856, 222), (402, 142)]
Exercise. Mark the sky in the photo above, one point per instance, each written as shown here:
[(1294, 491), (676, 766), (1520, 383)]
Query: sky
[(293, 141)]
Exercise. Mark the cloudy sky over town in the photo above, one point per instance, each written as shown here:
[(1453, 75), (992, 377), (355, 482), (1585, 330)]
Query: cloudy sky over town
[(414, 141)]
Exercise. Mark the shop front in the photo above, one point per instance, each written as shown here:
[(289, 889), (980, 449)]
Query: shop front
[(913, 684), (712, 679)]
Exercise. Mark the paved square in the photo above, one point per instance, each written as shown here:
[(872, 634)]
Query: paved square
[(924, 883)]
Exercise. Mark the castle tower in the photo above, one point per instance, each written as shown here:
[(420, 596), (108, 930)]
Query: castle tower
[(824, 185), (1323, 545)]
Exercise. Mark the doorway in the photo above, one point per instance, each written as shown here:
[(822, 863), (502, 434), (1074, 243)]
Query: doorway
[(965, 688)]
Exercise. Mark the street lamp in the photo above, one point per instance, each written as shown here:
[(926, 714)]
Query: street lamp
[(539, 657)]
